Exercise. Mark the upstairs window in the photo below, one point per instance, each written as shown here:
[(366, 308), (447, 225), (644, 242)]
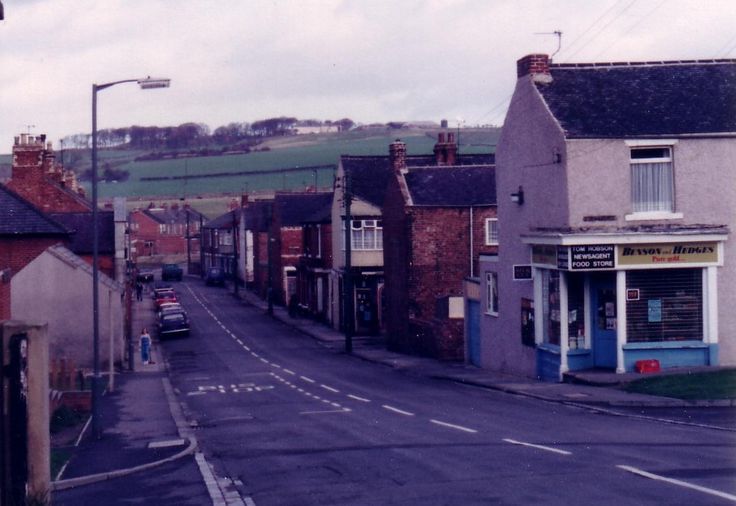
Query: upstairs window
[(491, 231), (652, 180), (366, 235)]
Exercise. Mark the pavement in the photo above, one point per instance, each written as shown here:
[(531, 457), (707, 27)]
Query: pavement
[(143, 426), (591, 388)]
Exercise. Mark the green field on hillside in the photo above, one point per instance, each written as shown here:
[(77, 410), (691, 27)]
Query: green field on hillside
[(302, 151)]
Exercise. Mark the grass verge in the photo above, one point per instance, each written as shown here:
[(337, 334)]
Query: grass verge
[(719, 384)]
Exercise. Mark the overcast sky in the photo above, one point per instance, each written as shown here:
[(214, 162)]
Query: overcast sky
[(369, 60)]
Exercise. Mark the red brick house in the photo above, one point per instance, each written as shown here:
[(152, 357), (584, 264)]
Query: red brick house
[(315, 263), (40, 180), (437, 221), (289, 210), (163, 230), (37, 178), (25, 233)]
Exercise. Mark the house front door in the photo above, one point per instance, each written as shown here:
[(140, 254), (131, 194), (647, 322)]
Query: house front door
[(605, 321)]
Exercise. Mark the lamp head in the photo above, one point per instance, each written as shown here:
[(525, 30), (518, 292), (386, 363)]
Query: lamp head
[(151, 82)]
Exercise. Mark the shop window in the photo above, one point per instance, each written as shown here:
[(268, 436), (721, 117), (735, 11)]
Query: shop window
[(664, 305), (575, 311), (551, 308), (652, 180)]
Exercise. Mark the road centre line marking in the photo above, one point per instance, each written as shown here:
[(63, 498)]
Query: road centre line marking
[(308, 380), (324, 412), (539, 447), (652, 476), (330, 388), (277, 366), (289, 371), (397, 410), (453, 426), (254, 354), (361, 399), (264, 361)]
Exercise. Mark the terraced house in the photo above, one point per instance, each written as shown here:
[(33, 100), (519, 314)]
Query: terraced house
[(615, 188)]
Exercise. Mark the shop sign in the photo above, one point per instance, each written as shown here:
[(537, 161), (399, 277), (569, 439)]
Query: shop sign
[(592, 257), (672, 253), (522, 272)]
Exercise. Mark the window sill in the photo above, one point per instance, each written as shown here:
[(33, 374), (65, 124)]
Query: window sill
[(490, 313), (653, 215)]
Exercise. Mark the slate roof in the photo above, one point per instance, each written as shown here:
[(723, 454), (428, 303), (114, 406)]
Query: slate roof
[(295, 208), (370, 174), (224, 220), (80, 225), (620, 100), (20, 217), (171, 215), (450, 186)]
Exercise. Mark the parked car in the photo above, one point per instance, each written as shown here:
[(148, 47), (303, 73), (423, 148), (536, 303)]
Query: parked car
[(171, 271), (145, 276), (214, 276), (173, 324), (162, 296), (169, 307)]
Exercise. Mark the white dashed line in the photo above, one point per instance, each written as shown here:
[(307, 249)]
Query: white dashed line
[(277, 366), (356, 398), (265, 361), (289, 371), (453, 426), (308, 380), (397, 410), (330, 389), (679, 483), (538, 447)]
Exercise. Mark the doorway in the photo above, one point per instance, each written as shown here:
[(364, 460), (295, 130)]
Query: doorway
[(605, 321)]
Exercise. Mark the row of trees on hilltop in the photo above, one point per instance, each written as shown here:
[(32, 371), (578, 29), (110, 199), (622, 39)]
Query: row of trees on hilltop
[(196, 135)]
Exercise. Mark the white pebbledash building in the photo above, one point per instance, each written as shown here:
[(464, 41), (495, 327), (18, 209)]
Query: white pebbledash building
[(616, 189)]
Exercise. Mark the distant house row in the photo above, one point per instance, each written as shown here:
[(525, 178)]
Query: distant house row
[(597, 237)]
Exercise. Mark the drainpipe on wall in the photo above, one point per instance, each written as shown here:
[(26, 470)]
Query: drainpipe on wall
[(472, 266)]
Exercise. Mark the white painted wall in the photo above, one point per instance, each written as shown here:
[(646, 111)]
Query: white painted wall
[(54, 291)]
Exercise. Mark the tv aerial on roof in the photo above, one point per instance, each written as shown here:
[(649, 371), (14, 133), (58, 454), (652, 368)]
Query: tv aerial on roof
[(557, 33)]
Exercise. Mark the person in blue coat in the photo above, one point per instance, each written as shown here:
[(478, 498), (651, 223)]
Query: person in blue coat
[(144, 343)]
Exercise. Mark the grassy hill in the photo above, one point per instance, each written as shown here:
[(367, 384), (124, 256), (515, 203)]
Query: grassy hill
[(310, 158)]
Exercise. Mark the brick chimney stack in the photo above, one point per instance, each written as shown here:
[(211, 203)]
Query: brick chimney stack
[(397, 155), (445, 151), (532, 64)]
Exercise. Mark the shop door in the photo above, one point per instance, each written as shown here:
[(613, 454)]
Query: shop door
[(365, 311), (605, 322), (473, 323)]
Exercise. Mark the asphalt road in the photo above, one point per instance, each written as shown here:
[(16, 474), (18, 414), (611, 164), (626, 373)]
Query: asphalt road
[(288, 421)]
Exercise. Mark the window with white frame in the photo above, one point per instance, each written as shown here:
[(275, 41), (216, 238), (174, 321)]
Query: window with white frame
[(492, 293), (365, 235), (652, 179), (491, 231)]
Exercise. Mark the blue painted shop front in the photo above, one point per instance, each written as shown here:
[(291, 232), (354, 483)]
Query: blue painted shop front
[(635, 305)]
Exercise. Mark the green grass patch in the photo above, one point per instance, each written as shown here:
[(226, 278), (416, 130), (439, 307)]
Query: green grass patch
[(719, 384)]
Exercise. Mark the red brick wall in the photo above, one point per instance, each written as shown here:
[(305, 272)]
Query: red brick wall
[(285, 253), (36, 178), (16, 253), (426, 258)]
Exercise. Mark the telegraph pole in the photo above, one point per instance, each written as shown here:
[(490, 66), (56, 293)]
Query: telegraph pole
[(348, 277)]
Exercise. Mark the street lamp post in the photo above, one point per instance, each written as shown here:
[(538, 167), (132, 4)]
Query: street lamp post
[(145, 83)]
